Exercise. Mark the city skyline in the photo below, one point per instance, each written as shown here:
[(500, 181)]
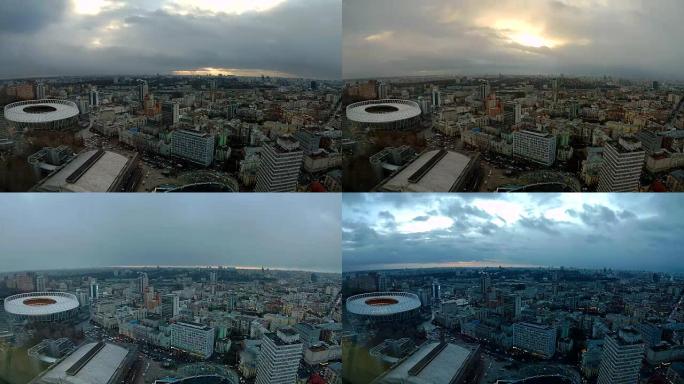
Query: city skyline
[(203, 229), (591, 37), (105, 37), (517, 230)]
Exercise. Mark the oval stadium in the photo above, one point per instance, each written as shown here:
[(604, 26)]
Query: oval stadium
[(41, 306), (385, 115), (42, 115), (380, 307)]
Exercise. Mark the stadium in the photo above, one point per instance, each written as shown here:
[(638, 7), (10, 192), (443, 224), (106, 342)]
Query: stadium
[(381, 307), (42, 115), (385, 115), (41, 306)]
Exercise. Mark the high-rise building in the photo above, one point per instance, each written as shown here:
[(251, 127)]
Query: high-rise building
[(280, 164), (40, 283), (436, 98), (169, 306), (143, 283), (94, 97), (382, 90), (621, 358), (539, 147), (143, 91), (512, 112), (535, 338), (436, 291), (623, 162), (280, 356), (512, 306), (170, 113), (193, 146), (484, 91), (424, 105), (193, 338), (40, 91), (485, 284), (94, 290)]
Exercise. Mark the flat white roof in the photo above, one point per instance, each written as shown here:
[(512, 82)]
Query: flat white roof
[(440, 178), (447, 364), (99, 369), (98, 178)]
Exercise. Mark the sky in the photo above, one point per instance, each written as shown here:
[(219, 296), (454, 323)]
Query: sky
[(291, 38), (625, 38), (619, 231), (62, 231)]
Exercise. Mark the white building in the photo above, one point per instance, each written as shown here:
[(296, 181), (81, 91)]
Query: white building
[(535, 338), (279, 359), (622, 164), (194, 338), (193, 146), (535, 146), (621, 358), (280, 164)]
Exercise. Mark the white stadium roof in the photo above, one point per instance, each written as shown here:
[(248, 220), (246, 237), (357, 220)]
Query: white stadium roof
[(382, 303), (383, 111), (40, 303), (40, 111)]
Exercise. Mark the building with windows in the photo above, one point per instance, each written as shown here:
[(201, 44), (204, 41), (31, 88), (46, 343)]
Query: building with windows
[(196, 339), (621, 358), (193, 146), (170, 304), (535, 338), (281, 162), (281, 353), (623, 161), (539, 147), (170, 113)]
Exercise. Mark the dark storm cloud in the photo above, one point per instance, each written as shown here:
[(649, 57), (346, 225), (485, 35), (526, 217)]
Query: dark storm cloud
[(298, 37), (638, 232), (61, 231), (29, 16), (632, 38)]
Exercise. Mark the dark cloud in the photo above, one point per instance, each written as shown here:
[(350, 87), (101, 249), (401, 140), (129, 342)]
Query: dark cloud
[(286, 231), (29, 16), (301, 38), (421, 218), (630, 231)]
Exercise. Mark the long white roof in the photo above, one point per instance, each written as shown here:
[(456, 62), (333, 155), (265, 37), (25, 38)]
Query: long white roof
[(405, 109), (404, 302), (63, 109), (62, 302)]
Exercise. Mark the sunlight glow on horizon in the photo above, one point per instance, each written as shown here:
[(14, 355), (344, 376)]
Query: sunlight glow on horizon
[(235, 7), (211, 71)]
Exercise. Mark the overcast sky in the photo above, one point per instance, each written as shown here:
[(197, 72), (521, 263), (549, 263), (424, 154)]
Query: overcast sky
[(294, 231), (244, 37), (620, 231), (631, 38)]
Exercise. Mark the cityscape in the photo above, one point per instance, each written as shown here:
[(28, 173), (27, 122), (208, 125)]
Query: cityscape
[(454, 289), (550, 96), (189, 301), (133, 103)]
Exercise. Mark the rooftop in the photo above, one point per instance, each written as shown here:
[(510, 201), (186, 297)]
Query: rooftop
[(432, 171), (91, 363), (433, 363), (90, 171)]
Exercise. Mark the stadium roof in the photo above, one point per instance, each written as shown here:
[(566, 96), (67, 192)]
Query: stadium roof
[(382, 303), (40, 303), (40, 111), (383, 111)]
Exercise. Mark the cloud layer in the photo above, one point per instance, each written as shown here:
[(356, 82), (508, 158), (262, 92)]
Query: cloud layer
[(631, 38), (63, 231), (637, 232), (91, 37)]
